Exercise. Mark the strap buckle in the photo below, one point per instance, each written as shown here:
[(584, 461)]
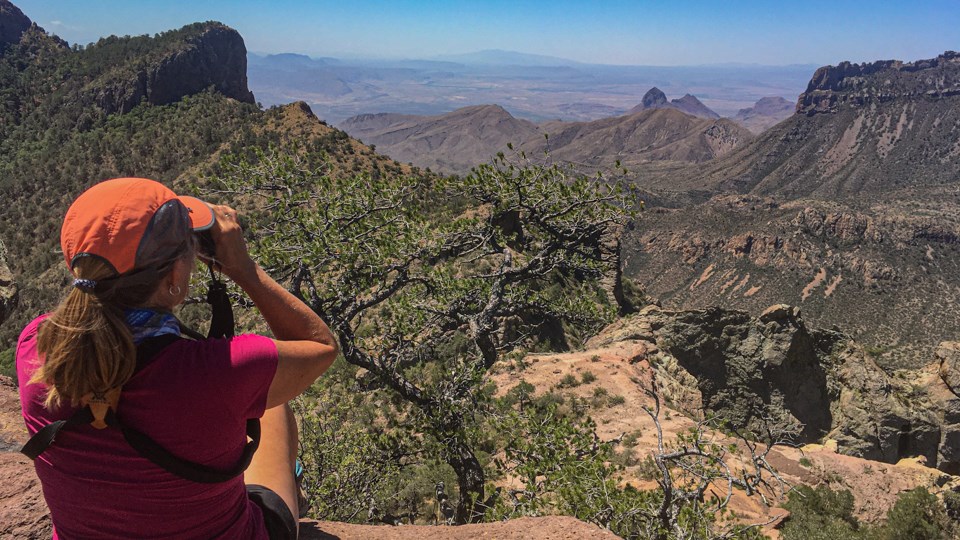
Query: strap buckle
[(100, 403)]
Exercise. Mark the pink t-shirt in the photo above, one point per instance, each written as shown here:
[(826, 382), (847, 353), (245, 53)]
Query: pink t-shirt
[(193, 399)]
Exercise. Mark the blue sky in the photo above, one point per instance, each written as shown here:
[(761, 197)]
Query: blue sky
[(639, 32)]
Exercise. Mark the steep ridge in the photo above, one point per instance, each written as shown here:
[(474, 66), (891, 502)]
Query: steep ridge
[(740, 367), (13, 23), (656, 99), (765, 113), (456, 141), (859, 130), (652, 134)]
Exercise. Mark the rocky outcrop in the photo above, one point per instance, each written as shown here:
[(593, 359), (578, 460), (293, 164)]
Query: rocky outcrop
[(213, 57), (947, 400), (948, 365), (13, 23), (8, 289), (754, 370), (653, 99), (857, 85), (688, 104)]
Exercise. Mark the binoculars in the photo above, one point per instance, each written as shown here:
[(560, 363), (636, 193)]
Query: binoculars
[(206, 245)]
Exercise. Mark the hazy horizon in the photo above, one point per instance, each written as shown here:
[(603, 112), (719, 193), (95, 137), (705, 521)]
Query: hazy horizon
[(619, 32), (452, 57)]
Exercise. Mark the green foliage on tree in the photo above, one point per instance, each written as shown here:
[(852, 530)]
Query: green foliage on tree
[(917, 515), (822, 513), (429, 281)]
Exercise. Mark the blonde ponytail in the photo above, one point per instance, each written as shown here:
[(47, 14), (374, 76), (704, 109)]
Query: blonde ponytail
[(85, 345)]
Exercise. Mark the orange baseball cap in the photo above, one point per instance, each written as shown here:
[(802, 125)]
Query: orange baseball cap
[(130, 223)]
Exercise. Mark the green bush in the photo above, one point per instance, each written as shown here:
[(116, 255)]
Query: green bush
[(825, 514), (917, 515), (820, 514), (8, 364)]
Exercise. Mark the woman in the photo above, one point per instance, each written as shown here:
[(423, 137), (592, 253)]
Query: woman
[(131, 245)]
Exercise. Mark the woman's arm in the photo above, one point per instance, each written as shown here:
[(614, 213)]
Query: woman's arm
[(305, 344)]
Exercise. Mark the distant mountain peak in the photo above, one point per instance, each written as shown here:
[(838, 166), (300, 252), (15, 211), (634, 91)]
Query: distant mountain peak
[(689, 104), (654, 98), (765, 113)]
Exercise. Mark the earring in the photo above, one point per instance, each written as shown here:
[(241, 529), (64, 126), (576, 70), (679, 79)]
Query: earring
[(174, 293)]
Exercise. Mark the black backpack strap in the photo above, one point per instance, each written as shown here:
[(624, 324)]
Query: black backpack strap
[(149, 348), (43, 438), (148, 448)]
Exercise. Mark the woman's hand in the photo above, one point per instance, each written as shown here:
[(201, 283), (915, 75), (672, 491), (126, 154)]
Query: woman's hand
[(232, 257)]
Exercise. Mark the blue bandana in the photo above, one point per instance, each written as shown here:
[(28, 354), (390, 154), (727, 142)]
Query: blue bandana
[(145, 323)]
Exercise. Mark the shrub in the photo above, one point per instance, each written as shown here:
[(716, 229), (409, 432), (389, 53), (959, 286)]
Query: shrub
[(588, 377), (917, 515), (820, 514), (8, 364)]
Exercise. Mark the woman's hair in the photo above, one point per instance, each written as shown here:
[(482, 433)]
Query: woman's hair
[(86, 344)]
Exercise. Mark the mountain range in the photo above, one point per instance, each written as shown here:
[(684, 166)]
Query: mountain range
[(656, 129), (850, 208)]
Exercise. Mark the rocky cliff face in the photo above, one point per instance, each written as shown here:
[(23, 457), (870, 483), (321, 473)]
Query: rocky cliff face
[(887, 272), (859, 85), (13, 23), (213, 58), (773, 368)]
